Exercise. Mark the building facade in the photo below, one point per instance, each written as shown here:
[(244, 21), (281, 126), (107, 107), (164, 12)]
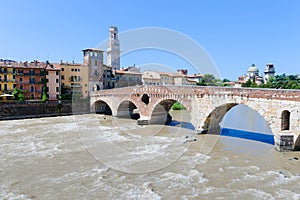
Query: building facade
[(74, 80), (7, 77), (31, 78), (269, 72), (53, 81), (93, 59)]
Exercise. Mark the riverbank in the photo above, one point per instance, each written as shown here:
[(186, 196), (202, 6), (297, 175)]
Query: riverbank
[(33, 109)]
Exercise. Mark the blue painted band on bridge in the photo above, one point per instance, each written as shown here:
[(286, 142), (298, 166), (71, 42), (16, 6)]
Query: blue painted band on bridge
[(266, 138)]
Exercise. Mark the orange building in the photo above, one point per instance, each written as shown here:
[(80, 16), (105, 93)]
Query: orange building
[(31, 78)]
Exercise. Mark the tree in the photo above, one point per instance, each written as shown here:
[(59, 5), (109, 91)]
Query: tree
[(210, 80), (201, 82), (18, 94), (226, 80), (44, 95)]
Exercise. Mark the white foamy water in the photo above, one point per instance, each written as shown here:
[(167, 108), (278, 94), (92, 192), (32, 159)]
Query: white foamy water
[(100, 157)]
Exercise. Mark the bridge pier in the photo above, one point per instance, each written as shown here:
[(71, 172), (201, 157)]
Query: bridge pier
[(284, 142), (143, 120)]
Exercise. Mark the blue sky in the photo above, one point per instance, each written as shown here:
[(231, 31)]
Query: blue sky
[(235, 33)]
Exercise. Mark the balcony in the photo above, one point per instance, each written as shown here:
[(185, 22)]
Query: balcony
[(7, 80)]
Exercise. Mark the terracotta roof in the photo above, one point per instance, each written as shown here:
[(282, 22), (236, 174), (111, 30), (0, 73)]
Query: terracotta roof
[(92, 49), (54, 67), (126, 72)]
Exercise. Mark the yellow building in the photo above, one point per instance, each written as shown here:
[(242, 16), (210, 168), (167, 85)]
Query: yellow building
[(74, 80), (7, 77)]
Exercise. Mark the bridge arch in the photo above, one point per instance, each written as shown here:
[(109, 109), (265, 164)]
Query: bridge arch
[(213, 120), (127, 109), (297, 144), (102, 107), (160, 112)]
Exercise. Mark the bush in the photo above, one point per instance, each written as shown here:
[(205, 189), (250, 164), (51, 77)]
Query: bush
[(178, 106)]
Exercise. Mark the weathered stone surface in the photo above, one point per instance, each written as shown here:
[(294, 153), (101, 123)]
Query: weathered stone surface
[(208, 105)]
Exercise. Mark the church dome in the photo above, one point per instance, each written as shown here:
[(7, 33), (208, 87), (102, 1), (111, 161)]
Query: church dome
[(253, 68)]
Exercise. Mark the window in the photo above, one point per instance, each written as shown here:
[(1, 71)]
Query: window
[(31, 80), (62, 77), (57, 80), (56, 73), (72, 70), (14, 85), (21, 87), (5, 86), (62, 69), (79, 70), (14, 77), (31, 88), (57, 89), (47, 80), (285, 120)]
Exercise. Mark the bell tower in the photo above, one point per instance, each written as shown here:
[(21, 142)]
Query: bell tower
[(113, 48), (269, 71)]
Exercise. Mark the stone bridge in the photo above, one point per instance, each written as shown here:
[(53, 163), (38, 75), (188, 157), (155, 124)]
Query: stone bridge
[(207, 107)]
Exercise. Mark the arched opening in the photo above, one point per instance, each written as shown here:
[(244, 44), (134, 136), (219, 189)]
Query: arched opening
[(285, 120), (98, 87), (241, 121), (212, 122), (102, 107), (127, 109), (145, 99), (171, 112)]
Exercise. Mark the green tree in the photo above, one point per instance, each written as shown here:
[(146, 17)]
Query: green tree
[(18, 94), (201, 82), (226, 80), (178, 106)]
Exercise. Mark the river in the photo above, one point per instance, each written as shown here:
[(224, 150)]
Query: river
[(94, 156)]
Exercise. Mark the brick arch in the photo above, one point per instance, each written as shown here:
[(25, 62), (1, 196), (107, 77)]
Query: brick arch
[(102, 106), (159, 109), (126, 109)]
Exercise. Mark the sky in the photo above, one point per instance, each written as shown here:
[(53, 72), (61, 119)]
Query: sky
[(234, 33)]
